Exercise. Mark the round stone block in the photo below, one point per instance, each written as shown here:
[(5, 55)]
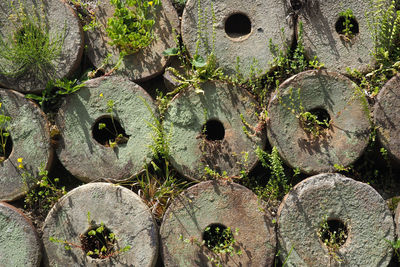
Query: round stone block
[(217, 203), (207, 130), (386, 116), (237, 32), (325, 33), (147, 62), (105, 130), (327, 96), (58, 20), (120, 210), (333, 199), (26, 149), (19, 242)]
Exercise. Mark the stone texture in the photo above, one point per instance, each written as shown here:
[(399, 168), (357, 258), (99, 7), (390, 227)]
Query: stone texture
[(191, 152), (226, 203), (342, 143), (19, 242), (61, 20), (321, 39), (267, 18), (357, 205), (81, 154), (144, 64), (29, 131), (386, 116), (121, 211), (397, 220)]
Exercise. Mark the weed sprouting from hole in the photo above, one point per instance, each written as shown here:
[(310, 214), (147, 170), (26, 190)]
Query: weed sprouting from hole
[(333, 233)]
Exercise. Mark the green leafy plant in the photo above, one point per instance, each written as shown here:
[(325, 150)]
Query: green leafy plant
[(29, 47), (333, 239), (396, 247), (347, 25), (131, 27), (4, 133)]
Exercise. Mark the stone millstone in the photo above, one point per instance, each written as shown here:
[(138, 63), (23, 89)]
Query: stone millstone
[(19, 242), (30, 139), (320, 19), (345, 139), (386, 116), (144, 64), (225, 203), (62, 21), (122, 212), (237, 31), (328, 197), (86, 158), (222, 104)]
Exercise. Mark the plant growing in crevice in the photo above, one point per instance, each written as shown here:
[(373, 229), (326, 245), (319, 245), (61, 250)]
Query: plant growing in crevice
[(4, 134)]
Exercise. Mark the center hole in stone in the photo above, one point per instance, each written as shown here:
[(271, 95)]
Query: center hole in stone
[(107, 131), (213, 130), (237, 25), (6, 145), (322, 116), (217, 236), (98, 242), (333, 233), (347, 26)]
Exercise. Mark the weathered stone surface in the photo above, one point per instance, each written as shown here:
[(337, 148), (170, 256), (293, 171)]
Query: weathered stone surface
[(333, 196), (335, 50), (86, 158), (345, 139), (144, 64), (19, 242), (222, 104), (30, 137), (225, 203), (61, 20), (239, 29), (122, 212), (397, 220), (386, 116)]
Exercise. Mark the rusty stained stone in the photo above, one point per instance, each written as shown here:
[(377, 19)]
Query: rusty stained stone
[(86, 158), (30, 138), (357, 205), (19, 242), (144, 64), (386, 116), (342, 143), (217, 202), (191, 152)]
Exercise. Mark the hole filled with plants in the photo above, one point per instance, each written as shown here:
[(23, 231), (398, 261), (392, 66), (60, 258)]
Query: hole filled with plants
[(217, 236), (6, 145), (315, 121), (347, 24), (333, 233), (30, 33), (237, 25), (213, 130), (98, 242), (108, 131)]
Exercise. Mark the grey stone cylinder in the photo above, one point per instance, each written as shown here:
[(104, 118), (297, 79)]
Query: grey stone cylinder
[(220, 107), (144, 64), (327, 197), (122, 212), (318, 91), (31, 147), (62, 24), (19, 242), (217, 202), (86, 158)]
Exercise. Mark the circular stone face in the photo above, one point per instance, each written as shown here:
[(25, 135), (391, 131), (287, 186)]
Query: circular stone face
[(105, 129), (242, 31), (325, 37), (323, 203), (386, 116), (31, 149), (327, 96), (147, 62), (19, 243), (60, 25), (194, 216), (120, 210), (207, 130)]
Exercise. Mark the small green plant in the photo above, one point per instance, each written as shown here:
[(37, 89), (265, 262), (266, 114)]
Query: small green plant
[(29, 48), (346, 29), (333, 235), (396, 247), (131, 27), (4, 133)]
